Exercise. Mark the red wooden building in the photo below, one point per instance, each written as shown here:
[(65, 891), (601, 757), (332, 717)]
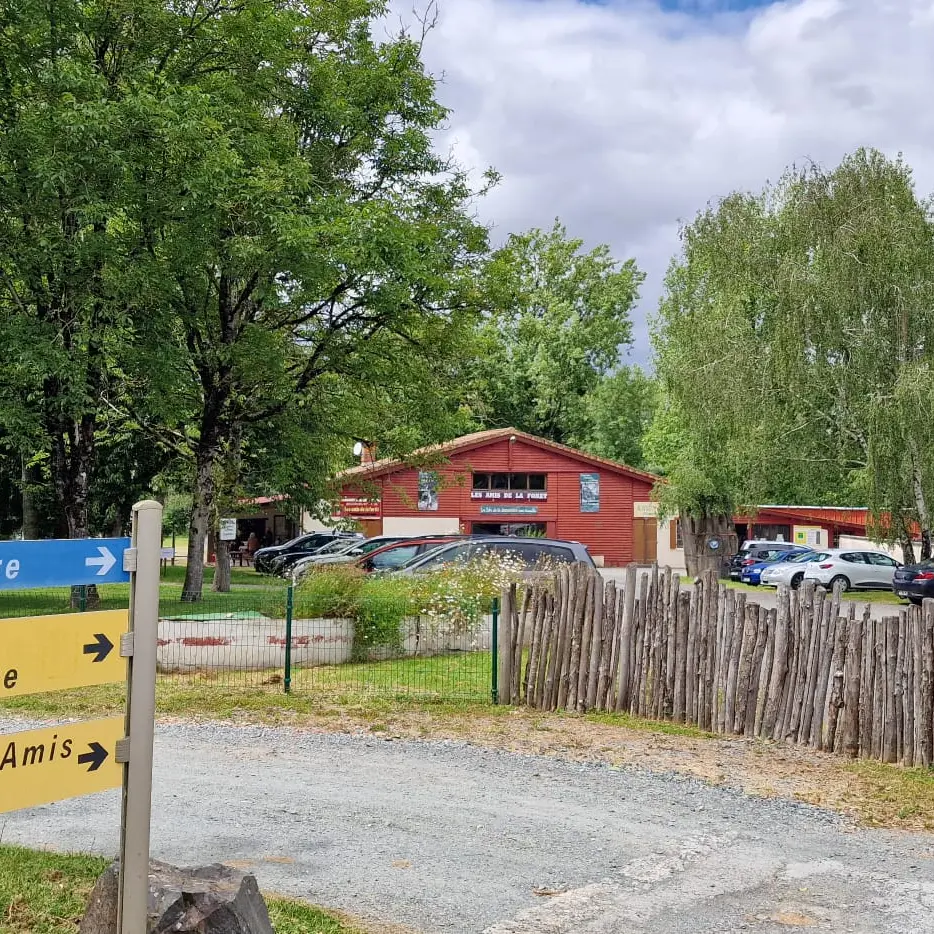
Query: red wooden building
[(507, 482)]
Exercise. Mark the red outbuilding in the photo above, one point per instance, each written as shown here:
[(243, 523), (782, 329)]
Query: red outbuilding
[(507, 482)]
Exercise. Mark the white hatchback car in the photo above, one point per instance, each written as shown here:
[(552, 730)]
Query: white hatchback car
[(790, 572), (856, 570)]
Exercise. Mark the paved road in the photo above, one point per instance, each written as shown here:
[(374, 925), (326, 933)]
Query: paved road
[(445, 837), (767, 597)]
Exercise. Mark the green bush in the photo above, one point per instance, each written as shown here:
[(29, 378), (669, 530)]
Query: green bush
[(378, 604), (329, 591), (382, 604)]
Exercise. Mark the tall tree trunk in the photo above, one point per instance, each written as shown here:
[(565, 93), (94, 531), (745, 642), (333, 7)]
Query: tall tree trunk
[(30, 476), (924, 517), (222, 568), (699, 535), (72, 458), (202, 514)]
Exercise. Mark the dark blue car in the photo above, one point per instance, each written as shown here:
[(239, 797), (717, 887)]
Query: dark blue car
[(751, 574)]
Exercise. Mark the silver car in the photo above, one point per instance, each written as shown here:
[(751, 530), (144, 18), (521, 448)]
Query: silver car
[(855, 569), (789, 572)]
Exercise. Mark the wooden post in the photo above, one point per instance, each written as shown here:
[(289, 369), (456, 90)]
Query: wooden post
[(506, 624), (911, 722), (866, 704), (783, 721), (624, 674), (779, 668), (739, 626), (753, 707), (764, 669), (561, 633), (901, 639), (744, 668), (539, 597), (810, 671), (588, 699), (851, 687), (725, 653), (878, 688), (607, 639), (681, 649), (889, 742), (926, 699), (825, 652), (834, 695)]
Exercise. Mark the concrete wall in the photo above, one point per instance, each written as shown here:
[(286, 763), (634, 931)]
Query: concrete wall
[(250, 644), (856, 542), (258, 643), (421, 525), (668, 556)]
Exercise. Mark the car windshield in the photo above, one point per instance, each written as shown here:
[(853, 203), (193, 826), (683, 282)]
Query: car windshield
[(336, 547), (364, 548), (437, 557), (292, 542), (804, 556)]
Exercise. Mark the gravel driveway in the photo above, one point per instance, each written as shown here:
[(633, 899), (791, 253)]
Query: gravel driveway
[(446, 837)]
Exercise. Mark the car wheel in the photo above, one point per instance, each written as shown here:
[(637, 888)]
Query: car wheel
[(796, 581), (844, 583), (915, 600)]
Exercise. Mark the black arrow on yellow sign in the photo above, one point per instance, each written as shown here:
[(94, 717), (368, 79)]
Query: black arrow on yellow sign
[(101, 647), (96, 757)]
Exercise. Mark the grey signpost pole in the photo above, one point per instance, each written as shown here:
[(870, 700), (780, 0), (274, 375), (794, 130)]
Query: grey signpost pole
[(143, 564)]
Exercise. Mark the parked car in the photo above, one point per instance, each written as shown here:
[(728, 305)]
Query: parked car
[(392, 557), (753, 552), (790, 571), (302, 546), (914, 582), (854, 570), (752, 573), (529, 550), (351, 551)]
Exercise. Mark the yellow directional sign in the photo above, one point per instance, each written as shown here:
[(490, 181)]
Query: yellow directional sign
[(49, 653), (40, 766)]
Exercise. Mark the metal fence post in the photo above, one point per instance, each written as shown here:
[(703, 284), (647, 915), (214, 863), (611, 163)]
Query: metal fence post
[(494, 648), (287, 680), (133, 891)]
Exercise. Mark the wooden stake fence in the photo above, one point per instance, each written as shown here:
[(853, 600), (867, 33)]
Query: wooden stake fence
[(805, 672)]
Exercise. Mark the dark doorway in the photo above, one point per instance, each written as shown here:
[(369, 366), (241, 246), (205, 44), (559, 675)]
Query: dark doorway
[(516, 529)]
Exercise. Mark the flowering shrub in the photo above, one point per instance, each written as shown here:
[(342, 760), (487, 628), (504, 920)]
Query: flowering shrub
[(449, 603), (454, 599)]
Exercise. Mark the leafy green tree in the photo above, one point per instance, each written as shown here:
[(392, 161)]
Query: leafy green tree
[(559, 320), (619, 411), (793, 345), (298, 226)]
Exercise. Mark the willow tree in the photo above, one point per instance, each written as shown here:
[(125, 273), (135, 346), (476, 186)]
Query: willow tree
[(792, 344)]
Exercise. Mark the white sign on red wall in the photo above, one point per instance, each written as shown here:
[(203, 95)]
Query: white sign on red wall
[(514, 495), (360, 506)]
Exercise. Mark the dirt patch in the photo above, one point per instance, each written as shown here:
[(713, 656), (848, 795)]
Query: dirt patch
[(871, 793)]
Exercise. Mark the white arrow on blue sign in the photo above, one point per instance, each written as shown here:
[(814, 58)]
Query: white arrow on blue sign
[(62, 562)]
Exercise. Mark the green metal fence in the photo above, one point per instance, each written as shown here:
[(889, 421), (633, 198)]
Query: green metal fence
[(258, 636)]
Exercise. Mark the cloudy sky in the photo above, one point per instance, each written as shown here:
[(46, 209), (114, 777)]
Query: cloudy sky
[(624, 117)]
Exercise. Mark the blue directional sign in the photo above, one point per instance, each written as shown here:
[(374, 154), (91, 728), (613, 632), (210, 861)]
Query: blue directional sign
[(62, 562)]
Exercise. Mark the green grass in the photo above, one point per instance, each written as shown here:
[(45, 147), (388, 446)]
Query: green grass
[(249, 591), (855, 596), (46, 893), (409, 683), (887, 791), (631, 722)]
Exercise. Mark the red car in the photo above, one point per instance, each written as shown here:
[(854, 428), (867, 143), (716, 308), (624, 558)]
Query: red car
[(395, 554)]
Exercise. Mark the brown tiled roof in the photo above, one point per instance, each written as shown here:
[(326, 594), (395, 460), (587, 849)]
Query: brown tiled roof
[(480, 439)]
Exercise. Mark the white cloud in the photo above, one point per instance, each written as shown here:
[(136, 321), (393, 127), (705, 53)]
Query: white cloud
[(623, 119)]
